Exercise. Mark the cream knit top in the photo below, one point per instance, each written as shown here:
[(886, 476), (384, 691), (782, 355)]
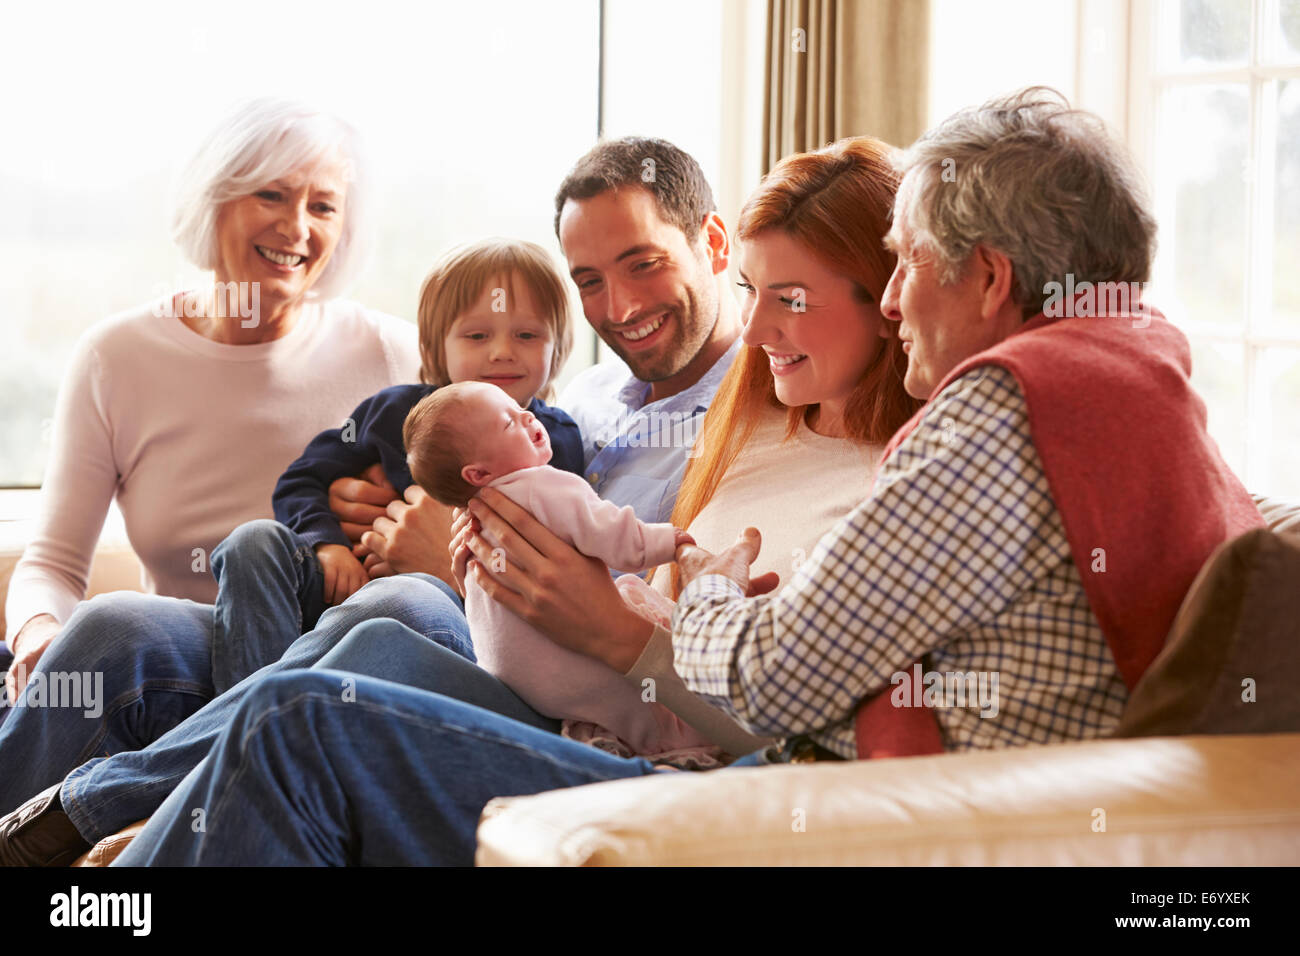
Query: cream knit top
[(190, 436)]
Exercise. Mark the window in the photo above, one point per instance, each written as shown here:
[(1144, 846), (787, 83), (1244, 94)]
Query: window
[(713, 111), (472, 114), (1215, 115), (978, 51)]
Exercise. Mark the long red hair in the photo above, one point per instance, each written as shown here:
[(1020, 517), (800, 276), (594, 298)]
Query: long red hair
[(836, 202)]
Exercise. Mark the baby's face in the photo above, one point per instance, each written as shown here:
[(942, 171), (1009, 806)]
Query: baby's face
[(506, 437)]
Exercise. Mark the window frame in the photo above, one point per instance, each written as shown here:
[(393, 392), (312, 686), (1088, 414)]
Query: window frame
[(1147, 82)]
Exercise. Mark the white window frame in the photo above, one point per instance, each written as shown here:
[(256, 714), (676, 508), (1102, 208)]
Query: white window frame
[(1146, 82)]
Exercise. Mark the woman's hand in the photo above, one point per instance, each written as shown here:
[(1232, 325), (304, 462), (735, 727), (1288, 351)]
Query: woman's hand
[(28, 645), (566, 595), (412, 535), (733, 564), (463, 524), (357, 502)]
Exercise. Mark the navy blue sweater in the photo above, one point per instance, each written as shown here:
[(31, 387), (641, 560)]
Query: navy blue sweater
[(301, 498)]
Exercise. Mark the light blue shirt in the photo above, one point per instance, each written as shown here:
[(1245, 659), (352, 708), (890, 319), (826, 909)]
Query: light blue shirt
[(635, 454)]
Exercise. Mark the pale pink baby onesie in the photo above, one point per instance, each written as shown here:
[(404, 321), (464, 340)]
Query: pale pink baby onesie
[(554, 680)]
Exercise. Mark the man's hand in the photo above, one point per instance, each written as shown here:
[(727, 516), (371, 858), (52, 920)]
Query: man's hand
[(357, 502), (566, 595), (28, 645), (344, 575), (733, 564), (412, 535)]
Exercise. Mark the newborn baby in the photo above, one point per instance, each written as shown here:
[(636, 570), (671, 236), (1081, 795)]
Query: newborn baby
[(472, 435)]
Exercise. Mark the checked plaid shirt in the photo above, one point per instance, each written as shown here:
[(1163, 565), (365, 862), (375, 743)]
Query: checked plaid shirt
[(958, 554)]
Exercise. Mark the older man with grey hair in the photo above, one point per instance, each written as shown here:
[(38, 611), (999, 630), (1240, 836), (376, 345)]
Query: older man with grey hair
[(1042, 517), (1039, 520)]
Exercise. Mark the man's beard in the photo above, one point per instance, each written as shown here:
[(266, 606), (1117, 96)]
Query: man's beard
[(657, 366), (690, 338)]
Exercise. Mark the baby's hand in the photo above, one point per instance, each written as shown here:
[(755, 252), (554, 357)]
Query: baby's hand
[(344, 574), (681, 537)]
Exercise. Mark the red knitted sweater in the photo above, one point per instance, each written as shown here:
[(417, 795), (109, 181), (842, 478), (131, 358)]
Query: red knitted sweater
[(1132, 470)]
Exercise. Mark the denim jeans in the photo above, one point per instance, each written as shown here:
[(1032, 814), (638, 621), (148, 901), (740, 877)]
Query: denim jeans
[(328, 767), (386, 775), (6, 658), (145, 661), (149, 661), (389, 650), (160, 710), (104, 795), (383, 648), (270, 590)]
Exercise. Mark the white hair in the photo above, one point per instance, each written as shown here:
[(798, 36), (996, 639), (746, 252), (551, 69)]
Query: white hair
[(1042, 183), (261, 141)]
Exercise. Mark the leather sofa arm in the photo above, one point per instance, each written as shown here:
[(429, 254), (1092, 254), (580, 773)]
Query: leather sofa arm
[(110, 848), (1171, 801)]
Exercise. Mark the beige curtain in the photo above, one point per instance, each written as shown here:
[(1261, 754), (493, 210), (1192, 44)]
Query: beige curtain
[(839, 68)]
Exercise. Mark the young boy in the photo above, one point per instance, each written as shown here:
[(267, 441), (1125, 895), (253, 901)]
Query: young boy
[(495, 311)]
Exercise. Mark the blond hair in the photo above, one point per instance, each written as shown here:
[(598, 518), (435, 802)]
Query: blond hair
[(457, 282)]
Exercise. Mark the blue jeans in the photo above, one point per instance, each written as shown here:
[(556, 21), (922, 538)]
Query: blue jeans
[(384, 649), (390, 775), (155, 657), (148, 662), (270, 590), (145, 661), (328, 767), (104, 795), (6, 658)]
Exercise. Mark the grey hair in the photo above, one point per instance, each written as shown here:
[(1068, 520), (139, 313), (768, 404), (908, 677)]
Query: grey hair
[(1041, 183), (260, 141)]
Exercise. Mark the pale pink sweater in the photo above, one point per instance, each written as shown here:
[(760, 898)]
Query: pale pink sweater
[(190, 436), (551, 679)]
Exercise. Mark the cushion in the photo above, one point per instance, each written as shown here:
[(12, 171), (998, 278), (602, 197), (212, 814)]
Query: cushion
[(110, 848), (1232, 660)]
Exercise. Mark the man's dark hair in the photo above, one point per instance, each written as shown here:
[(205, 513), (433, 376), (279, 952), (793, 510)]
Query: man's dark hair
[(673, 177)]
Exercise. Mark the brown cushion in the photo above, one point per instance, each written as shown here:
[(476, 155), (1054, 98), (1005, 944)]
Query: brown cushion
[(1240, 620), (110, 848)]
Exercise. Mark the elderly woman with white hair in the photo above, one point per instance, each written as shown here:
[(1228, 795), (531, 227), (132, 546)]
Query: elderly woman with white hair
[(188, 409)]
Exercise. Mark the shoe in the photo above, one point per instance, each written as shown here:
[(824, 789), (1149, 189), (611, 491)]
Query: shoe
[(39, 833)]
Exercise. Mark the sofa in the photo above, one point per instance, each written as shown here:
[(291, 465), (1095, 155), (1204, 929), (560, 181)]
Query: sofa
[(114, 568), (1202, 770), (1164, 801), (1171, 800)]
